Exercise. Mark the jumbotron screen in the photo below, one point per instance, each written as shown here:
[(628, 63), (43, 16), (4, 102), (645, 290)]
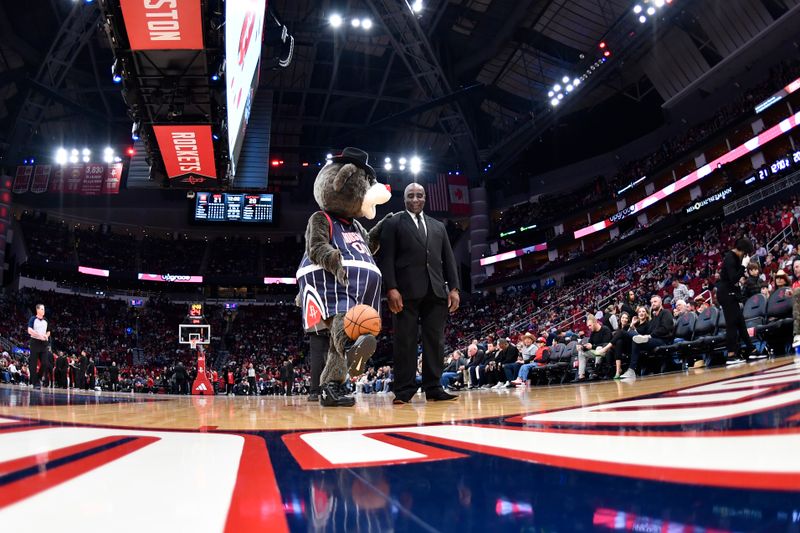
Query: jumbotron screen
[(223, 207)]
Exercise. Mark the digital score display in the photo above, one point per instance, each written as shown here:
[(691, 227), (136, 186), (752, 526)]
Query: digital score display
[(218, 207)]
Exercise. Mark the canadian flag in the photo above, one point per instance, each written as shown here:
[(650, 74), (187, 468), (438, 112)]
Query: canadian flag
[(459, 195)]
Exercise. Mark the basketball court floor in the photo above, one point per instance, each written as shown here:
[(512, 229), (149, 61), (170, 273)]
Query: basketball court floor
[(708, 450)]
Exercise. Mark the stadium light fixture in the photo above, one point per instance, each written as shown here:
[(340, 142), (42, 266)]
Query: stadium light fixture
[(108, 154), (61, 156), (402, 161), (569, 88), (551, 94), (356, 23), (554, 102), (651, 11), (366, 24), (565, 79), (416, 165), (402, 167), (560, 96), (416, 6), (637, 9), (387, 160), (335, 20), (642, 19), (557, 88), (659, 3), (387, 166), (576, 82)]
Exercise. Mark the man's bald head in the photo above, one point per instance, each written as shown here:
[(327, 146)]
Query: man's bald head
[(414, 197)]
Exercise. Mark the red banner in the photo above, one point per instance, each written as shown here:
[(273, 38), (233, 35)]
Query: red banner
[(41, 178), (163, 24), (113, 179), (57, 180), (22, 180), (187, 150), (93, 180)]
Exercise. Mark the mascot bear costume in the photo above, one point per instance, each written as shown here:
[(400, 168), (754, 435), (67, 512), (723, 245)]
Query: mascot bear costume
[(337, 271)]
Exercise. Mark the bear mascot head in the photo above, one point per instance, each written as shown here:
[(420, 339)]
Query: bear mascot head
[(338, 271)]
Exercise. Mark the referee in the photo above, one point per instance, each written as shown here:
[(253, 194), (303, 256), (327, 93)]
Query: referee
[(39, 331)]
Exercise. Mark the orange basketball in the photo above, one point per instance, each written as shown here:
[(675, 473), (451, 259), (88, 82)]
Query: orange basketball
[(361, 320)]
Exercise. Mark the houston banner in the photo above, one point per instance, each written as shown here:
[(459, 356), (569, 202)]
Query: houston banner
[(163, 24)]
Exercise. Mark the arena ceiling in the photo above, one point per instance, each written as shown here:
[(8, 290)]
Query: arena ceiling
[(463, 84)]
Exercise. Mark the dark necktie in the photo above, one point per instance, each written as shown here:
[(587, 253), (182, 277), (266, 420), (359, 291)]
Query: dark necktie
[(421, 227)]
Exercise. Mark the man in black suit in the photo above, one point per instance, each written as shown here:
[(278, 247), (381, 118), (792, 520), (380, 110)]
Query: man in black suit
[(419, 273)]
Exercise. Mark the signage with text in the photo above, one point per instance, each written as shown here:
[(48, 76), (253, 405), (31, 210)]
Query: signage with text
[(163, 24), (171, 278), (188, 152)]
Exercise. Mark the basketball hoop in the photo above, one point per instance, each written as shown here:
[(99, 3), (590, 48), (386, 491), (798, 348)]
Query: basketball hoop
[(194, 340)]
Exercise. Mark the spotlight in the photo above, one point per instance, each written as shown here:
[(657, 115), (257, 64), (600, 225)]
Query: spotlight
[(416, 165), (565, 79), (550, 94), (86, 152), (576, 82), (366, 24), (355, 23), (108, 155), (117, 159), (554, 102), (642, 19), (557, 88), (387, 166), (32, 161), (131, 151), (651, 11), (387, 160), (86, 159), (214, 77), (116, 73), (637, 9), (659, 3), (61, 156), (560, 96), (607, 53), (402, 167), (328, 157), (602, 44), (416, 7), (335, 20), (402, 161), (569, 88)]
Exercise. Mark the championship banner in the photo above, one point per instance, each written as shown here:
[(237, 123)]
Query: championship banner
[(188, 153), (22, 179), (92, 184), (41, 178), (57, 180), (73, 179), (113, 178), (163, 24)]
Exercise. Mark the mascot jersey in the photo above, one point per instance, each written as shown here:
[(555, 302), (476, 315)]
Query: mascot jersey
[(322, 295)]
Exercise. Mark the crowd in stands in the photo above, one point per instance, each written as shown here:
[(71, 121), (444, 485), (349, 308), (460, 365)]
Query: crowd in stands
[(142, 342), (549, 207), (172, 254)]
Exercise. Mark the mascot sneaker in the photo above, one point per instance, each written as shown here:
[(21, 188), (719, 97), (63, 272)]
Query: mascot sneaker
[(330, 395), (359, 353)]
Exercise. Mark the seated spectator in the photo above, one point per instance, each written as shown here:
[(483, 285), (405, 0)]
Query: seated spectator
[(656, 332), (453, 370), (597, 345), (680, 291), (475, 365), (539, 359), (752, 283), (621, 342)]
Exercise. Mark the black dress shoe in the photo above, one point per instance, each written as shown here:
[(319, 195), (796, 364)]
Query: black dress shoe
[(401, 400), (439, 395)]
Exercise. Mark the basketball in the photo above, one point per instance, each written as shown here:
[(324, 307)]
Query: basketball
[(361, 320)]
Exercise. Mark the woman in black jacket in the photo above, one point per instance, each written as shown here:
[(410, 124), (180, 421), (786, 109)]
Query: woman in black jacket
[(728, 293), (621, 341)]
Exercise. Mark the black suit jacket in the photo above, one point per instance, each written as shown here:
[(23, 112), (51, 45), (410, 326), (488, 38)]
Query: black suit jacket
[(409, 264)]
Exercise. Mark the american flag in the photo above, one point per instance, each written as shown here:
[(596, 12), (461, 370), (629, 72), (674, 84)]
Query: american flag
[(437, 195)]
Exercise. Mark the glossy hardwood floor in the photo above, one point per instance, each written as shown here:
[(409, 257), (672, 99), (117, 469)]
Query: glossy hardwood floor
[(293, 413)]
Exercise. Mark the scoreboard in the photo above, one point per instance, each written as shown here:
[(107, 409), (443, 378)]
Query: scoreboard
[(218, 207)]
